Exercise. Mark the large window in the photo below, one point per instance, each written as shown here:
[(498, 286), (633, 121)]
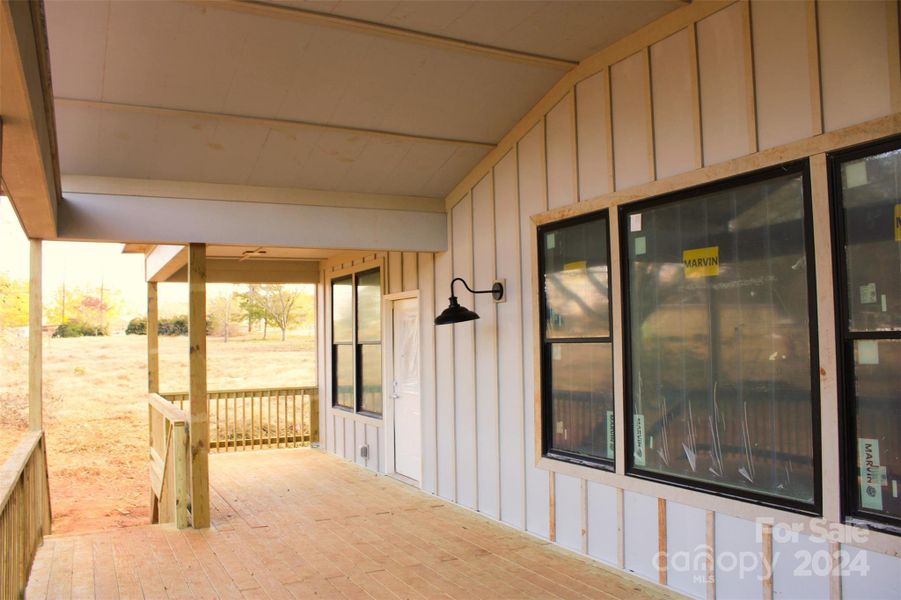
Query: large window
[(357, 342), (867, 202), (721, 363), (577, 356)]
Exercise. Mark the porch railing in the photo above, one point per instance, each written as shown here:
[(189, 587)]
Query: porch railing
[(24, 512), (170, 464), (256, 419)]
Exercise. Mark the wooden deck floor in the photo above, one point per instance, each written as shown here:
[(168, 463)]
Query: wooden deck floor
[(303, 524)]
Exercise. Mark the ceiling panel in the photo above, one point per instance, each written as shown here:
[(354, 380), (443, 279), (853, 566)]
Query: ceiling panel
[(195, 56), (568, 29), (174, 147)]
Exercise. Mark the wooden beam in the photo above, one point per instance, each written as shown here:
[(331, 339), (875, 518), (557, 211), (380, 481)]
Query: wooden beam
[(257, 270), (163, 261), (162, 111), (30, 169), (197, 190), (35, 339), (153, 340), (292, 13), (114, 218), (200, 420)]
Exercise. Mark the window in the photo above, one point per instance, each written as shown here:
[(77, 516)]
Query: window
[(721, 368), (577, 355), (357, 342), (867, 216)]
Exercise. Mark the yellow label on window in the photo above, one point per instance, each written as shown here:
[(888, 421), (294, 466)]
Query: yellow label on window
[(898, 222), (575, 266), (702, 262)]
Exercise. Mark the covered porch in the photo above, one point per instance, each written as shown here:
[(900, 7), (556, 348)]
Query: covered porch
[(302, 524)]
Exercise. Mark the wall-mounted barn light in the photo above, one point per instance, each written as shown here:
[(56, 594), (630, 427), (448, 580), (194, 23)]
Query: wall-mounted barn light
[(455, 313)]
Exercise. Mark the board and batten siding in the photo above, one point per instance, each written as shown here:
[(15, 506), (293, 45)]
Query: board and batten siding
[(712, 90)]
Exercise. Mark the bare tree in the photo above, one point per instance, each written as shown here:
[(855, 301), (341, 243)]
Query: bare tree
[(279, 303)]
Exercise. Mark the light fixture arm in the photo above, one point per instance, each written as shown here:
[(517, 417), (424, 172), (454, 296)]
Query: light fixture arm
[(497, 290)]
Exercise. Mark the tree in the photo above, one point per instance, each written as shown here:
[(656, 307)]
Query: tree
[(221, 312), (95, 308), (279, 302), (252, 307), (13, 302)]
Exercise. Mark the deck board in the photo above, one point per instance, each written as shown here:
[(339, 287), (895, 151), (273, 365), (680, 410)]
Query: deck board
[(300, 523)]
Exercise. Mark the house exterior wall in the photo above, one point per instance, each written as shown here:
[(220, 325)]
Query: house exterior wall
[(713, 90)]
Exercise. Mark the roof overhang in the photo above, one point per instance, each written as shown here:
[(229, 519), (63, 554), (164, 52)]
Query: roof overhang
[(28, 156)]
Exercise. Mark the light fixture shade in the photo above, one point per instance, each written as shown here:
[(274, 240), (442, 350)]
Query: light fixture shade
[(455, 313)]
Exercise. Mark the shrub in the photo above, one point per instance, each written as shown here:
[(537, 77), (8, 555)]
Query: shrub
[(137, 326), (75, 328)]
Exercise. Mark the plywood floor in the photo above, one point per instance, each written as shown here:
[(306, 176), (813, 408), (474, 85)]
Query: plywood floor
[(303, 524)]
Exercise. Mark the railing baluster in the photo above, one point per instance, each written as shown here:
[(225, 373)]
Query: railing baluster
[(294, 421)]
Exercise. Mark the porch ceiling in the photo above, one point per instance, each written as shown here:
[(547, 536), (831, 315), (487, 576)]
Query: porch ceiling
[(384, 98)]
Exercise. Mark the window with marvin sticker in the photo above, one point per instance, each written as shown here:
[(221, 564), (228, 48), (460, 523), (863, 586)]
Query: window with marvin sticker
[(721, 368), (577, 355), (867, 213), (356, 342)]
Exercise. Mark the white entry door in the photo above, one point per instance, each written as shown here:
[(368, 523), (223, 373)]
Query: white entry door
[(407, 423)]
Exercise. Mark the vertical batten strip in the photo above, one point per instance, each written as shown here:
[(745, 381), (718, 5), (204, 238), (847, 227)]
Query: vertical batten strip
[(695, 83), (475, 349), (552, 506), (813, 61), (662, 561), (711, 554), (835, 571), (497, 357), (524, 355), (766, 552), (620, 528), (750, 87), (583, 509), (649, 102), (894, 55), (575, 143), (611, 157)]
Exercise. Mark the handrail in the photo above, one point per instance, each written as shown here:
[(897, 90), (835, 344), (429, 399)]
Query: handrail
[(258, 418), (168, 410), (170, 462), (24, 511)]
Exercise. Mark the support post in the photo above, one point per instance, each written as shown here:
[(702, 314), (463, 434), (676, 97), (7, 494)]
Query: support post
[(35, 341), (153, 340), (200, 420)]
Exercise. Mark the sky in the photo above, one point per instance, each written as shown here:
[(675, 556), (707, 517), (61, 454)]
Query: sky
[(88, 265)]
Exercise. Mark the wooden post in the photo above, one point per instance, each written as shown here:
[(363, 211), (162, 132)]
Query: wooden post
[(35, 341), (153, 340), (314, 417), (200, 419)]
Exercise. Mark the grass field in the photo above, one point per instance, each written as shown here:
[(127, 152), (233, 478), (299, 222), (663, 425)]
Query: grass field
[(95, 411)]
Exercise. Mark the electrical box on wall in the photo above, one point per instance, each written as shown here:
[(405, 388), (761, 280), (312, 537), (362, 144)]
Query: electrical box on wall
[(364, 451), (503, 298)]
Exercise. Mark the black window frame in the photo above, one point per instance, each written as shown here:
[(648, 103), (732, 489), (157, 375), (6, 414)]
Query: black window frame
[(801, 167), (844, 343), (355, 344), (547, 425)]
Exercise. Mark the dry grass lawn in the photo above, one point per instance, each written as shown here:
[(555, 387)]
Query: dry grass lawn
[(95, 412)]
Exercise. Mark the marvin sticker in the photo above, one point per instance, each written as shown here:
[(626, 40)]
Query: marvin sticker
[(898, 222), (638, 454), (702, 262), (610, 438), (872, 474)]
